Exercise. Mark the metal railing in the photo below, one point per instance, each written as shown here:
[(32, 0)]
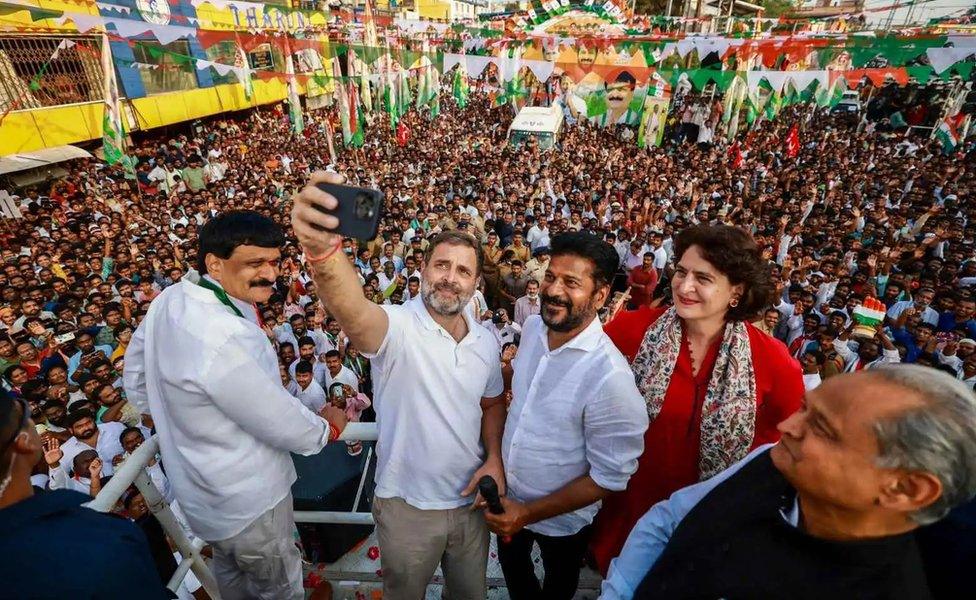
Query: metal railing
[(34, 73), (133, 471)]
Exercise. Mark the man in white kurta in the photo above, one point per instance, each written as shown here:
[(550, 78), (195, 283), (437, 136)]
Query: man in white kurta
[(206, 371)]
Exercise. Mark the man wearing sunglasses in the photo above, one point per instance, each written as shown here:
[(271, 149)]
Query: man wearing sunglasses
[(110, 557)]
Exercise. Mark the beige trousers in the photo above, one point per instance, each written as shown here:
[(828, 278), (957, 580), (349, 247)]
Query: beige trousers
[(414, 541)]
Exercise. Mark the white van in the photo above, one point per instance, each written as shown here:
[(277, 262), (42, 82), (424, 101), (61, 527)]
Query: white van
[(541, 122)]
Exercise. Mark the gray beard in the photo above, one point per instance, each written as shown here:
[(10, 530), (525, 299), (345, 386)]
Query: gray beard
[(445, 309)]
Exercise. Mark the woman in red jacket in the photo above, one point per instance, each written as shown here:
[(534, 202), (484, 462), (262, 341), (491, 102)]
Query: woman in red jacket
[(715, 385)]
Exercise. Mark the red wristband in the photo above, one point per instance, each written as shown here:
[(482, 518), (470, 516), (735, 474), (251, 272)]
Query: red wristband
[(317, 259), (334, 432)]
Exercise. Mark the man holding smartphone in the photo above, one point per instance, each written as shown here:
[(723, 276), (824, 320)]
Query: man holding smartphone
[(438, 395)]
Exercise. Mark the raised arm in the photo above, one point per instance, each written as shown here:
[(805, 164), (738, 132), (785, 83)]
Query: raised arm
[(364, 322)]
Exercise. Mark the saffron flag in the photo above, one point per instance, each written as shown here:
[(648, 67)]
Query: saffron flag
[(735, 154), (402, 134)]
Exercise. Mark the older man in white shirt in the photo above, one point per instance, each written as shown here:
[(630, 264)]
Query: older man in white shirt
[(205, 369), (438, 398), (576, 425)]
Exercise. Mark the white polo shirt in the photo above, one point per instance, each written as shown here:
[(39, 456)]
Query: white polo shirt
[(427, 396)]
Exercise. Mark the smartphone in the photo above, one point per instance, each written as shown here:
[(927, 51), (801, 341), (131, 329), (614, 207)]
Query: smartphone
[(64, 338), (359, 210)]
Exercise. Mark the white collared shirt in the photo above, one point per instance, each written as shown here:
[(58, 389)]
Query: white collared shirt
[(502, 335), (575, 411), (428, 390), (313, 397), (345, 376), (929, 315), (226, 425), (811, 381), (108, 446), (284, 333), (320, 373)]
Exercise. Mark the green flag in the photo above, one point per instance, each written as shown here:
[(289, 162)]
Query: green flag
[(434, 86), (113, 129), (460, 88), (403, 93), (773, 105)]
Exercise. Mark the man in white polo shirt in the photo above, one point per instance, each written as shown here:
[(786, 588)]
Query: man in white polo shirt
[(438, 398)]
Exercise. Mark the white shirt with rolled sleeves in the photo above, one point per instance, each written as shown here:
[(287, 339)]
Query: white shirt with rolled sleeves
[(575, 411), (427, 396), (226, 425)]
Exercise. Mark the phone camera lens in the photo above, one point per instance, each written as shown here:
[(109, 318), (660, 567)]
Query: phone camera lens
[(365, 208)]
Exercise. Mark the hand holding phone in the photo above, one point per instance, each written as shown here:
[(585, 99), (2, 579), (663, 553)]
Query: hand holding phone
[(325, 210)]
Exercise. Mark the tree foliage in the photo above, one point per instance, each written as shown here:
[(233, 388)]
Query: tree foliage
[(653, 7), (776, 8)]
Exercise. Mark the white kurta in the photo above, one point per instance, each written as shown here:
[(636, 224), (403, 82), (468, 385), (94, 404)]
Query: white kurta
[(226, 425)]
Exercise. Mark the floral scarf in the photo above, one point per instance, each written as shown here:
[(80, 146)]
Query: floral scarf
[(729, 412)]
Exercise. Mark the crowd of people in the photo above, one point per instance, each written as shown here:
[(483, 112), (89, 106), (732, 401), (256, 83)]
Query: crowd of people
[(731, 285)]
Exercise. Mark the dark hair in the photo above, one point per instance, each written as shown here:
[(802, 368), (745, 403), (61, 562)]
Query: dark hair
[(129, 430), (305, 340), (225, 232), (303, 366), (77, 415), (98, 391), (817, 355), (624, 77), (585, 245), (332, 354), (10, 420), (31, 388), (99, 363), (8, 373), (110, 306), (735, 254), (457, 238)]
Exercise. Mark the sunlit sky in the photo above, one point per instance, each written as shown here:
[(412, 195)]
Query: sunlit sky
[(921, 13)]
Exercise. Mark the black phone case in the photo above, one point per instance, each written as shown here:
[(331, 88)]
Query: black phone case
[(350, 223)]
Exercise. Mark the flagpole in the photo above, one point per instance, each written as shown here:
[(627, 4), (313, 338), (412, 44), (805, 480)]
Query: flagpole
[(864, 112), (113, 131), (945, 108)]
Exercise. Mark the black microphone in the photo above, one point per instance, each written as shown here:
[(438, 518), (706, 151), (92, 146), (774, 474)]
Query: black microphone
[(489, 491)]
